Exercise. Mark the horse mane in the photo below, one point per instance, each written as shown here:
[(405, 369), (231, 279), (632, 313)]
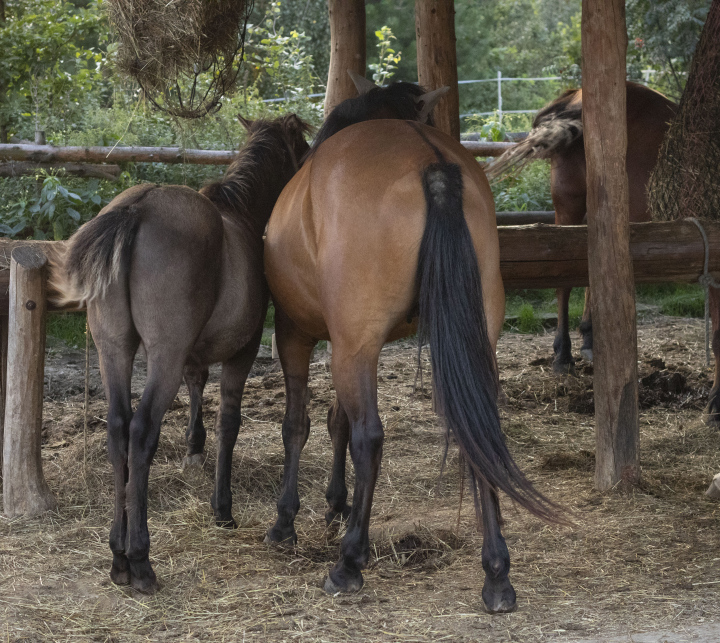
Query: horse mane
[(260, 162), (396, 101)]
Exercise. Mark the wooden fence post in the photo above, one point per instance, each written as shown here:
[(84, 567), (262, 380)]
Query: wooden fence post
[(3, 381), (437, 59), (604, 43), (347, 49), (25, 491)]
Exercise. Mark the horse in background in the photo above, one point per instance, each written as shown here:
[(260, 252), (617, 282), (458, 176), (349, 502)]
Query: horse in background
[(182, 273), (557, 134), (388, 228)]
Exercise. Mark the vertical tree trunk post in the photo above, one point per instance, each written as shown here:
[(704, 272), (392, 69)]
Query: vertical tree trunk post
[(437, 59), (3, 381), (604, 44), (25, 491), (347, 49)]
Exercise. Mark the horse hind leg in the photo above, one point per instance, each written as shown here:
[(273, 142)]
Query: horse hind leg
[(295, 350), (586, 350), (232, 385), (195, 378), (355, 378), (117, 343), (336, 494), (712, 410), (562, 346), (497, 593)]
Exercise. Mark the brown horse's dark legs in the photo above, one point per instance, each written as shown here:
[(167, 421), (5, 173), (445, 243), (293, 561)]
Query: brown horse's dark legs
[(586, 350), (497, 593), (232, 385), (295, 349), (195, 378), (336, 494), (712, 410), (356, 386), (563, 350), (163, 382)]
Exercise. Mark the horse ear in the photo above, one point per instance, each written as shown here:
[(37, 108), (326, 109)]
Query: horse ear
[(362, 84), (245, 122), (424, 104)]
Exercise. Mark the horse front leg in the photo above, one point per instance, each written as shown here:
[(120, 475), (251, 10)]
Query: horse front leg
[(295, 350), (232, 385), (712, 410), (497, 593), (563, 349), (336, 494), (355, 378), (195, 378)]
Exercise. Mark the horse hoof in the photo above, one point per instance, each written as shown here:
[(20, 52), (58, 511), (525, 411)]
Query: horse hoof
[(587, 354), (226, 523), (120, 572), (331, 588), (563, 368), (714, 488), (334, 516), (280, 537), (341, 579), (195, 460), (500, 607)]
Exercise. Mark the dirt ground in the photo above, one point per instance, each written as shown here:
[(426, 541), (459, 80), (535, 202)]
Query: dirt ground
[(640, 567)]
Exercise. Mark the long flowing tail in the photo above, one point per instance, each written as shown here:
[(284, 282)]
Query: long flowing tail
[(553, 130), (94, 258), (452, 319)]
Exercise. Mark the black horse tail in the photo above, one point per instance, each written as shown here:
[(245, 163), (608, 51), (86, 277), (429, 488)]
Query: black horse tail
[(452, 319), (96, 255)]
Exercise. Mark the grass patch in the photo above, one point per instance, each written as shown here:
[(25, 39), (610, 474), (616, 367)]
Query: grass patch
[(68, 328)]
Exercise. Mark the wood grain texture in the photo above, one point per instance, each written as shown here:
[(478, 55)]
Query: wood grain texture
[(615, 383), (347, 49), (84, 170), (437, 59), (25, 492)]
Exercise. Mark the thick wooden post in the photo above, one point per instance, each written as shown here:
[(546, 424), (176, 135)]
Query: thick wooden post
[(347, 49), (3, 380), (437, 59), (25, 491), (604, 43)]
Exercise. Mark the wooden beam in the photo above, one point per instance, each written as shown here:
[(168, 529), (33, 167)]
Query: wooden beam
[(615, 382), (83, 170), (548, 256), (437, 59), (25, 492), (347, 49)]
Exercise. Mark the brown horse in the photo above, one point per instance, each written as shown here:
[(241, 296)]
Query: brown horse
[(557, 134), (182, 273), (389, 227)]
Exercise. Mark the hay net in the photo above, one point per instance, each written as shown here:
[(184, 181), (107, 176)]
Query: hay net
[(183, 53), (686, 179)]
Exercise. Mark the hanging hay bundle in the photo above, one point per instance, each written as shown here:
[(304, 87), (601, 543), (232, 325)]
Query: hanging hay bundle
[(686, 180), (183, 53)]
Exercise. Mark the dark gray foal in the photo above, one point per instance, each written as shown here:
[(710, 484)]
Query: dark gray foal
[(181, 272)]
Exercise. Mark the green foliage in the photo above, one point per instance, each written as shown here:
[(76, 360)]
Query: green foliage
[(388, 58), (53, 213), (68, 328), (528, 190)]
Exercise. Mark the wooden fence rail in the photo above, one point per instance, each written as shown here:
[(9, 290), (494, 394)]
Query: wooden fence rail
[(52, 154)]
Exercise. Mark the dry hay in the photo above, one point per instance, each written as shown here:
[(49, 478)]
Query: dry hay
[(164, 43), (633, 562)]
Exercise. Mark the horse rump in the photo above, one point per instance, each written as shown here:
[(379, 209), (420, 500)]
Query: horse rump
[(452, 319)]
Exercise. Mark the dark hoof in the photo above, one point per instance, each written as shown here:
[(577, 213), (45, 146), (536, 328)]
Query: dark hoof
[(342, 580), (142, 578), (226, 523), (499, 597), (283, 537), (334, 516), (196, 460), (587, 354), (711, 415), (564, 367), (120, 570)]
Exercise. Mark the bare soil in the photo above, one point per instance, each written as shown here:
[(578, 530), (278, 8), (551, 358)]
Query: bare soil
[(646, 562)]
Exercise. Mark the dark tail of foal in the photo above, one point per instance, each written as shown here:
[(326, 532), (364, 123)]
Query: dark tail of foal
[(95, 257), (452, 319)]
